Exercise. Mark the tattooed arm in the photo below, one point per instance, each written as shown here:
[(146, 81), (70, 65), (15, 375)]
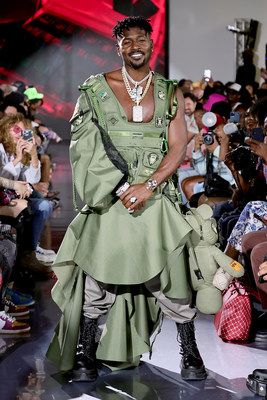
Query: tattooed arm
[(7, 183), (22, 188)]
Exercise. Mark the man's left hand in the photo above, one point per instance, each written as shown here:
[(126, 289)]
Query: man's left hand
[(138, 192)]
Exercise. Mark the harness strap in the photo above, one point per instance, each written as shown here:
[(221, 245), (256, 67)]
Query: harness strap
[(171, 110)]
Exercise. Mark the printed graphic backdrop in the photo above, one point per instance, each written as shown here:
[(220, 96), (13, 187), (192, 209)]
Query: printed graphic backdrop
[(56, 44)]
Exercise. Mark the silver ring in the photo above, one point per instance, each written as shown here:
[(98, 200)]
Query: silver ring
[(122, 189), (133, 199)]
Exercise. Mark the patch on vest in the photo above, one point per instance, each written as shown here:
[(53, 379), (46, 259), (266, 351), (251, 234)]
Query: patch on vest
[(161, 95), (103, 96), (152, 158), (113, 120), (159, 121)]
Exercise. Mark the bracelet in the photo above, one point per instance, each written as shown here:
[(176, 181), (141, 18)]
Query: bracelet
[(151, 184)]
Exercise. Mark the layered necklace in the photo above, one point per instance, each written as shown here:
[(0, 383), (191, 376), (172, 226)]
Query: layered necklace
[(136, 93)]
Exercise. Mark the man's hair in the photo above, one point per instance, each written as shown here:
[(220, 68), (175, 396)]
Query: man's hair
[(191, 95), (130, 22), (222, 108)]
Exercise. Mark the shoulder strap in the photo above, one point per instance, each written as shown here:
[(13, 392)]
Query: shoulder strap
[(171, 94)]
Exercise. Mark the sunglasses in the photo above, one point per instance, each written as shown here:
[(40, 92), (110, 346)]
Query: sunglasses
[(16, 129)]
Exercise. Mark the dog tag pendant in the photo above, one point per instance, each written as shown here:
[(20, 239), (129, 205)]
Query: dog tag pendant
[(137, 113)]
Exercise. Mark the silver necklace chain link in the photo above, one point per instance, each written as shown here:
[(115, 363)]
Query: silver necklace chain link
[(135, 83), (136, 93)]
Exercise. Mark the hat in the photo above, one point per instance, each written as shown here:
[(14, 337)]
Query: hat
[(211, 115), (20, 86), (14, 98), (213, 98), (219, 120), (235, 86), (32, 94)]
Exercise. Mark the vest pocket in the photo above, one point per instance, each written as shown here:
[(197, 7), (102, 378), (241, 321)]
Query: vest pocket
[(149, 162)]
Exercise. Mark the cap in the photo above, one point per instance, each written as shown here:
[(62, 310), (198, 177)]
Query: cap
[(14, 98), (219, 120), (32, 94), (235, 86), (211, 120), (20, 86), (213, 98)]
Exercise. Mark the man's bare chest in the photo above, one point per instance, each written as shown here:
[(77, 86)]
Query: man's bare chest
[(142, 112)]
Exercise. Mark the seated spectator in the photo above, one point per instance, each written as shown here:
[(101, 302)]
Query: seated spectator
[(254, 248), (206, 157), (246, 223), (248, 174), (19, 161), (210, 155), (9, 310), (190, 103)]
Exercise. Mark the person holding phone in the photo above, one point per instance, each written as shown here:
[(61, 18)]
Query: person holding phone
[(19, 161)]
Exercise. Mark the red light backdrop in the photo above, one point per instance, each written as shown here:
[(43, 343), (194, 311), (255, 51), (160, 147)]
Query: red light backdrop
[(56, 44)]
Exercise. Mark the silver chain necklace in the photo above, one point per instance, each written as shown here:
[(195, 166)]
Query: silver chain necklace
[(135, 83), (136, 92)]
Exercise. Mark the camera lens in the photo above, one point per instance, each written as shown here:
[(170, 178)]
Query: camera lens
[(208, 138)]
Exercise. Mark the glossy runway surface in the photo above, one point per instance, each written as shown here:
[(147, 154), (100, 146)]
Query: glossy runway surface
[(26, 373)]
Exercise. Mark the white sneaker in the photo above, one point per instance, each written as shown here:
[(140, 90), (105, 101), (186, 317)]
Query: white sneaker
[(45, 251), (45, 258)]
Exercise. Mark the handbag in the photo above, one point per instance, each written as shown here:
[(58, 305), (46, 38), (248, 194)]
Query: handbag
[(233, 321), (6, 196)]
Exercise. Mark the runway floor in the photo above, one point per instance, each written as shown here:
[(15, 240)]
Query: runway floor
[(26, 374)]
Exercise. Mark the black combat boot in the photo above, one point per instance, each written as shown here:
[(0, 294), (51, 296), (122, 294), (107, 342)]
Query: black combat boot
[(85, 368), (192, 367)]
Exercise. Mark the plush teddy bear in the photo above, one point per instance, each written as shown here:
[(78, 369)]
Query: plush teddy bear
[(210, 269)]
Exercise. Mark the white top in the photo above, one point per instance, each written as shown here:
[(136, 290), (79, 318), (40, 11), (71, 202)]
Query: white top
[(20, 172)]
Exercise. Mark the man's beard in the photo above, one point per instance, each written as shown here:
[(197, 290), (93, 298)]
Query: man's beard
[(134, 66)]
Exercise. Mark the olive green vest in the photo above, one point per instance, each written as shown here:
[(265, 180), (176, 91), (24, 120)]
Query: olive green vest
[(141, 145)]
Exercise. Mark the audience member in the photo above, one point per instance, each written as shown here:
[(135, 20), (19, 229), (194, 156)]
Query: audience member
[(233, 95), (19, 161), (245, 74), (8, 249), (185, 85), (254, 248), (190, 103), (209, 156)]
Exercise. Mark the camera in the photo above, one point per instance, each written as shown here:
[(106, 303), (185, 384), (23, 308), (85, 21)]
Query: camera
[(243, 158), (209, 119), (208, 138)]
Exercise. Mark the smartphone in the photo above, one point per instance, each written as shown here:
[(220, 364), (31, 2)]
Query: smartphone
[(264, 221), (234, 117), (257, 134), (27, 134), (207, 74)]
